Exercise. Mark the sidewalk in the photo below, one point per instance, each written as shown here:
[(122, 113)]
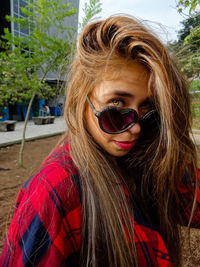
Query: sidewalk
[(196, 134), (32, 131), (46, 130)]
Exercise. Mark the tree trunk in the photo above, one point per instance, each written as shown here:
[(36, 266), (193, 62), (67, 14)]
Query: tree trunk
[(24, 130)]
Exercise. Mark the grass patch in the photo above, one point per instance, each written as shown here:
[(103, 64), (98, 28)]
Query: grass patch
[(195, 85), (196, 109), (195, 106)]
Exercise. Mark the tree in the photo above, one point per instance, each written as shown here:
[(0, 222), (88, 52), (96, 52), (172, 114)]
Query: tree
[(90, 11), (190, 34), (191, 4), (188, 25), (18, 80), (187, 48), (43, 52), (38, 53), (189, 41)]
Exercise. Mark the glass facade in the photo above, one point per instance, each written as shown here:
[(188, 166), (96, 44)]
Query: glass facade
[(17, 13), (18, 30)]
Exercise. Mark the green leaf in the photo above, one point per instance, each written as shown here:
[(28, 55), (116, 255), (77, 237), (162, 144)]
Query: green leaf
[(25, 68)]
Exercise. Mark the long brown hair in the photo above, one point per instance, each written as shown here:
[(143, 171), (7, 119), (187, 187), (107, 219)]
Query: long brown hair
[(167, 159)]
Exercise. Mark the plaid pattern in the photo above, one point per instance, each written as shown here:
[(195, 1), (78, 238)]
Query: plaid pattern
[(46, 228)]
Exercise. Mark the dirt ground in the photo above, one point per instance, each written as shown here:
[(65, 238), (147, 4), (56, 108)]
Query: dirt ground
[(12, 177)]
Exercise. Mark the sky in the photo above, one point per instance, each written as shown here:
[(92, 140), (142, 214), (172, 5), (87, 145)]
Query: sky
[(162, 14)]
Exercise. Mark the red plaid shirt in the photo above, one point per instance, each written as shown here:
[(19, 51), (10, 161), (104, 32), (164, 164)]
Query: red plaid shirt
[(46, 228)]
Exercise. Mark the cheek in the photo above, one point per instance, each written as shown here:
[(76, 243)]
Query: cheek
[(93, 127)]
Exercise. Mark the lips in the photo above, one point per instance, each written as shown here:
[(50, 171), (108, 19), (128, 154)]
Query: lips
[(125, 144)]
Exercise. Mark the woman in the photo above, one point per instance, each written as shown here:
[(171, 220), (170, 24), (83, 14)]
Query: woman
[(115, 191)]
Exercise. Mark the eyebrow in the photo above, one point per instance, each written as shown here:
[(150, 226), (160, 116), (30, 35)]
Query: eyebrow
[(119, 93)]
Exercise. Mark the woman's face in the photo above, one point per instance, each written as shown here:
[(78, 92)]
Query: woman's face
[(128, 90)]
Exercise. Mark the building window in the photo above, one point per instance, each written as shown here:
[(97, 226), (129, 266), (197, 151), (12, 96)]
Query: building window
[(17, 30)]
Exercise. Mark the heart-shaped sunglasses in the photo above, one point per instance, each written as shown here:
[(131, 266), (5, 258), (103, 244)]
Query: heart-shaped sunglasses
[(114, 120)]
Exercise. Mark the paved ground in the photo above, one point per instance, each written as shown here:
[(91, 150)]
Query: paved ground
[(196, 134), (32, 131), (41, 131)]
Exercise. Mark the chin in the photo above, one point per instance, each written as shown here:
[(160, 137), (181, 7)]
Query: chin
[(119, 153)]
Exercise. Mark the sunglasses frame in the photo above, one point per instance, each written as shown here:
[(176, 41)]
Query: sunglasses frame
[(99, 115)]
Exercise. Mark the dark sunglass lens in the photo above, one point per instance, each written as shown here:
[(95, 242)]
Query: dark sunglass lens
[(114, 121), (150, 121)]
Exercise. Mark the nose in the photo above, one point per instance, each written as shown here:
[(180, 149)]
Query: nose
[(135, 129)]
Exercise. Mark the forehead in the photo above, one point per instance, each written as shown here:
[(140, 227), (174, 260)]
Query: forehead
[(128, 77), (114, 65)]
